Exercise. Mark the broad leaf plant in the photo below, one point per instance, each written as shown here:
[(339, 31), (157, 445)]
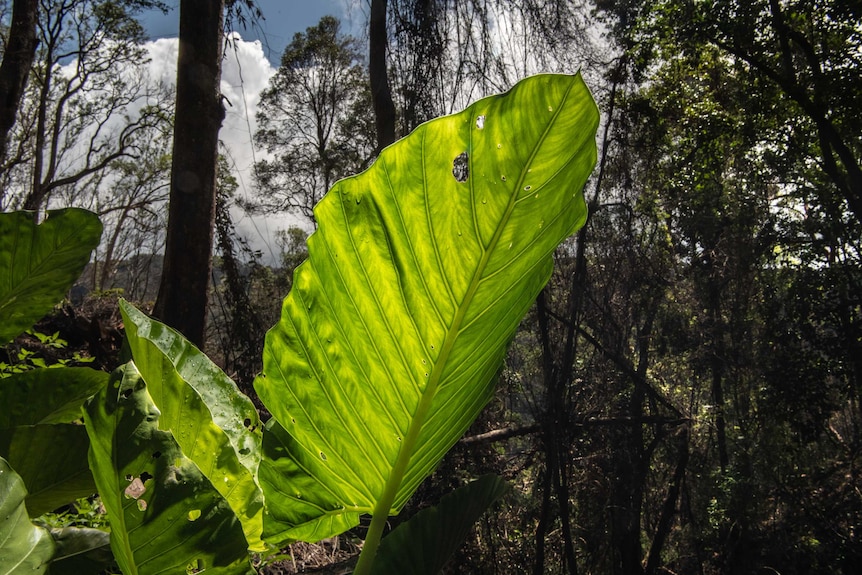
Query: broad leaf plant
[(387, 349)]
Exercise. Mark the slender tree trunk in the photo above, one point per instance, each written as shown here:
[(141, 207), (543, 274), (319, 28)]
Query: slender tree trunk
[(182, 300), (381, 96), (37, 194), (548, 440), (668, 510), (717, 368), (17, 61), (627, 488)]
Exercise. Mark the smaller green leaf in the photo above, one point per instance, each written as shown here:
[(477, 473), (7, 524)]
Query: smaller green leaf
[(52, 462), (81, 550), (42, 396), (24, 547), (425, 543), (38, 263), (215, 425), (303, 508), (165, 516)]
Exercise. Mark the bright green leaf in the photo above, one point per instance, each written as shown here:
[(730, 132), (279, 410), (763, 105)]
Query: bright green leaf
[(149, 489), (24, 548), (418, 276), (38, 263), (214, 424), (425, 543)]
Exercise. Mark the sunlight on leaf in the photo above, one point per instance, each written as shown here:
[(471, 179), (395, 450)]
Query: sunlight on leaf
[(417, 278)]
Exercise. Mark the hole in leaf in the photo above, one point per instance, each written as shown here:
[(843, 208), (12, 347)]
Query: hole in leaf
[(460, 167), (135, 489), (323, 456), (145, 476), (480, 122), (194, 514), (127, 393), (195, 566), (157, 454)]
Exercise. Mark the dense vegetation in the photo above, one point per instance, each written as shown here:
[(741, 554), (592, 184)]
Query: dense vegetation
[(684, 396)]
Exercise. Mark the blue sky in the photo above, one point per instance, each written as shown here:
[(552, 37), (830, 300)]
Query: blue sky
[(283, 18)]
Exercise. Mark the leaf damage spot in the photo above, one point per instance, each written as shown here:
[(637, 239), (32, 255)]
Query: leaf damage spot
[(135, 489), (461, 167), (480, 122), (194, 514)]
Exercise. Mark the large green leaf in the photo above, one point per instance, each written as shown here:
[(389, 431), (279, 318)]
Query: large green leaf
[(24, 548), (80, 550), (425, 543), (52, 461), (37, 438), (165, 516), (214, 424), (417, 277), (47, 395), (38, 263)]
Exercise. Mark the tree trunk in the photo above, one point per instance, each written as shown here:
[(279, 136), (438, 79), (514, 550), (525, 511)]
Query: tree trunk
[(668, 509), (381, 96), (17, 61), (182, 300)]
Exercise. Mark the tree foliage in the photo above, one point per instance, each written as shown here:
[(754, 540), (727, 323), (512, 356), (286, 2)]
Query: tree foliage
[(313, 120)]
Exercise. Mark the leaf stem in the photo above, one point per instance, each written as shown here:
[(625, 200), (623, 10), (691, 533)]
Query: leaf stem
[(390, 491)]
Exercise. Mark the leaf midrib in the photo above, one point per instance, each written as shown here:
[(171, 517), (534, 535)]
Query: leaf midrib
[(406, 450)]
